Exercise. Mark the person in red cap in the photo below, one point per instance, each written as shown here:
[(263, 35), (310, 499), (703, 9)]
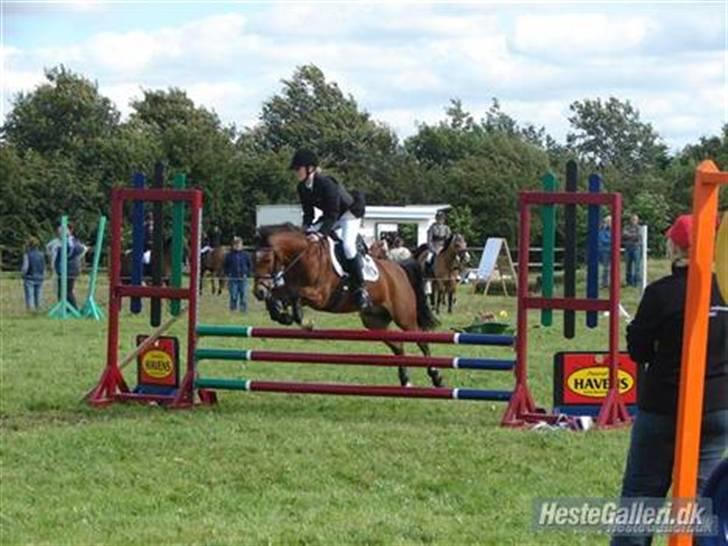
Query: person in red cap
[(654, 341)]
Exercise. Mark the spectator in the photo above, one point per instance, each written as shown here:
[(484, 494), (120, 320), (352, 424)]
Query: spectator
[(76, 251), (52, 247), (605, 250), (237, 267), (33, 269), (399, 252), (654, 340), (632, 250)]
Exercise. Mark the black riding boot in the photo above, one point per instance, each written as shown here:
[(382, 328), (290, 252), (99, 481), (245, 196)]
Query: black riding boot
[(356, 277)]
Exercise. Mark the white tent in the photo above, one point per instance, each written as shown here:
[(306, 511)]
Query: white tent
[(377, 220)]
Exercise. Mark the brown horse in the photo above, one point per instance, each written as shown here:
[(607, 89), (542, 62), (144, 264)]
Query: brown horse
[(449, 263), (127, 261), (295, 267), (213, 262)]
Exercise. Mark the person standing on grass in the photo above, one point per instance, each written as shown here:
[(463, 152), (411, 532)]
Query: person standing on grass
[(237, 267), (632, 242), (605, 250), (654, 341), (33, 270), (76, 251)]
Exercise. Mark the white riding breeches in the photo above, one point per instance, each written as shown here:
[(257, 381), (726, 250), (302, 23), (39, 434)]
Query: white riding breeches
[(346, 228)]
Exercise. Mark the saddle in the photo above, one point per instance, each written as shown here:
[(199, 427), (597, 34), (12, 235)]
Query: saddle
[(336, 250)]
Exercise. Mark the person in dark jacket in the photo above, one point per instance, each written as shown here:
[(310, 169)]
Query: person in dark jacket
[(76, 250), (632, 242), (33, 270), (237, 267), (654, 341), (605, 250), (339, 211)]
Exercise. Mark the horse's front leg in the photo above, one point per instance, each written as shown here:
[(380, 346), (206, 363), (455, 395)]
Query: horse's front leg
[(433, 372)]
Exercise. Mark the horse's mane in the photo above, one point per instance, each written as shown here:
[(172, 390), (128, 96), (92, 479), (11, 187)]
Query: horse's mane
[(419, 250), (263, 233)]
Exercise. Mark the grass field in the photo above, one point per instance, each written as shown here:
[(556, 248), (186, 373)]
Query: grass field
[(281, 469)]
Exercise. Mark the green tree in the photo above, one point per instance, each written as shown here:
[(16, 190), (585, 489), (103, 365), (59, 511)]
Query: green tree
[(479, 165), (62, 115), (461, 220), (193, 140), (712, 147), (313, 112), (611, 133), (654, 211)]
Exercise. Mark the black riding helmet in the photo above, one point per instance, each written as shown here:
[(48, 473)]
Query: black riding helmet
[(303, 158)]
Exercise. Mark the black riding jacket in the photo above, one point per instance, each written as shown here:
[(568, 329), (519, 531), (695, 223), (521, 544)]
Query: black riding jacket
[(327, 195), (654, 340)]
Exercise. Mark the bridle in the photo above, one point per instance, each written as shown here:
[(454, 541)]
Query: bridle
[(276, 279)]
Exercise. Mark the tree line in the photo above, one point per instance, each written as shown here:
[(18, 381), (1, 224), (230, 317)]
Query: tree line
[(64, 145)]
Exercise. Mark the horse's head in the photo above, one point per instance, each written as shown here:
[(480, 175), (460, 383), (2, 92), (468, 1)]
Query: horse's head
[(275, 249), (460, 249)]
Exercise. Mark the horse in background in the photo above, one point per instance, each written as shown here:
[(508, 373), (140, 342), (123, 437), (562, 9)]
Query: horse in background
[(126, 264), (446, 269), (212, 261), (293, 269)]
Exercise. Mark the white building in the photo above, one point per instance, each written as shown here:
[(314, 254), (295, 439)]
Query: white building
[(377, 220)]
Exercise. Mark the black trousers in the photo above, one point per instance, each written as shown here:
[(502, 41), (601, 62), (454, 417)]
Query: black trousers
[(70, 296)]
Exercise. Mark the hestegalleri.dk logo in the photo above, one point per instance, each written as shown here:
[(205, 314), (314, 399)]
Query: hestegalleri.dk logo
[(638, 516)]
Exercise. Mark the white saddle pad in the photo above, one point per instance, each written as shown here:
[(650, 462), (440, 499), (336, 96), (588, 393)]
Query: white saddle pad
[(370, 269)]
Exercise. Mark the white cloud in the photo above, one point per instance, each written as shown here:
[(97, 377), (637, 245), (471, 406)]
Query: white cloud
[(121, 94), (404, 120), (549, 35), (404, 62)]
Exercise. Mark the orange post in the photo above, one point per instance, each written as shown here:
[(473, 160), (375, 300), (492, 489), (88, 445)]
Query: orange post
[(695, 337)]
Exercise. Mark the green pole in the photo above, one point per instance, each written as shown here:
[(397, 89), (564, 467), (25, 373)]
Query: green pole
[(63, 309), (548, 220), (90, 308), (178, 216)]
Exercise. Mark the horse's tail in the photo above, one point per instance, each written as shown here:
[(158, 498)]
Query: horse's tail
[(426, 319)]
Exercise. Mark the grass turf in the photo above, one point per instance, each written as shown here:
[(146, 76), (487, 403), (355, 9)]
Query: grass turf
[(282, 469)]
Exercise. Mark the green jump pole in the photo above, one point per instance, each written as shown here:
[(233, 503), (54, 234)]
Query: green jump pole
[(178, 217), (91, 309), (548, 220), (63, 309)]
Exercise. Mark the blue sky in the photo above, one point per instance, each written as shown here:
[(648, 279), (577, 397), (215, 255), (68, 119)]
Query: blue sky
[(402, 62)]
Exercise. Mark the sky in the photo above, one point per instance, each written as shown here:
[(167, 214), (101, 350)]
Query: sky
[(402, 62)]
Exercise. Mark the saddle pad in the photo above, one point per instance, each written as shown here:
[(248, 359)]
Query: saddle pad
[(370, 269)]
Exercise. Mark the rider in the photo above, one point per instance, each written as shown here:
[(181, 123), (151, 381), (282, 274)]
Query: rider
[(437, 234), (339, 210)]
